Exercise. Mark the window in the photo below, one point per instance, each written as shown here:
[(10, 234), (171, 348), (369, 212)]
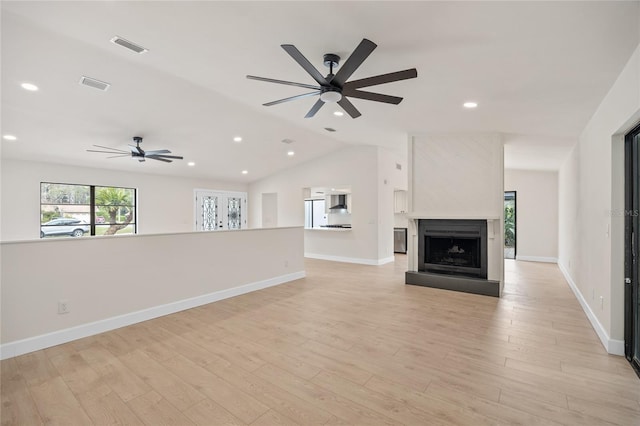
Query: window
[(76, 210)]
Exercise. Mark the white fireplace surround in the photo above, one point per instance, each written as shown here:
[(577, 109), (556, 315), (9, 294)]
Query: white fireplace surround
[(494, 268), (458, 176)]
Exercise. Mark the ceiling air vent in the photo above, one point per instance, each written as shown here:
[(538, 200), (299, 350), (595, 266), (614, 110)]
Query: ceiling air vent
[(128, 44), (96, 84)]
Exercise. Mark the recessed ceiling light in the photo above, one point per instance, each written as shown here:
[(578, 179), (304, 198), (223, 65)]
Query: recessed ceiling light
[(244, 172), (291, 153), (191, 164), (470, 104), (9, 138), (338, 113), (30, 87), (237, 139)]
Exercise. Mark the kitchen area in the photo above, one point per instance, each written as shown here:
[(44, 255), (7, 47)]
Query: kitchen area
[(327, 209)]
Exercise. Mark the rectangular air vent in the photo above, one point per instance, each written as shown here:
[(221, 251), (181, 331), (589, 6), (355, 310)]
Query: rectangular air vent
[(92, 82), (128, 44)]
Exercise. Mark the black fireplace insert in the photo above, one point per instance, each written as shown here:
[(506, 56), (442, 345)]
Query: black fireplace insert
[(453, 247)]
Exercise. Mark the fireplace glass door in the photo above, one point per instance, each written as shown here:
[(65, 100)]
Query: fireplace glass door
[(463, 252)]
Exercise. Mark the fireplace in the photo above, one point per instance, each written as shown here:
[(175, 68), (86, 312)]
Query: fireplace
[(452, 254), (453, 247)]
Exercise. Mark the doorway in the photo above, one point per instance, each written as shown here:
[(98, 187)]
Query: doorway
[(220, 210), (510, 234), (269, 209), (632, 245)]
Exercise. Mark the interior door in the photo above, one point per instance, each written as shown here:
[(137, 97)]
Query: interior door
[(632, 247)]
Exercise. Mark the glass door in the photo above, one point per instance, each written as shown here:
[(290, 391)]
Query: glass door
[(632, 247), (510, 224), (220, 210)]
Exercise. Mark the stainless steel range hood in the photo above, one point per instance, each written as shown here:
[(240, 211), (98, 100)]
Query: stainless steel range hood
[(341, 202)]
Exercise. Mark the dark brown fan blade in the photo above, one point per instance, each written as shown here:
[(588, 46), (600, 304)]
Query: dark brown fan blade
[(304, 63), (159, 159), (382, 79), (288, 83), (113, 149), (356, 59), (109, 152), (177, 157), (120, 155), (157, 151), (370, 96), (292, 98), (315, 108), (349, 108)]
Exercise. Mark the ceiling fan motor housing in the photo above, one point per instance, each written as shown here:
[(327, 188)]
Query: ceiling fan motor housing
[(331, 60)]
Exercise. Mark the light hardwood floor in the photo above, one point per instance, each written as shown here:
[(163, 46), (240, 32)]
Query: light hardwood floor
[(349, 344)]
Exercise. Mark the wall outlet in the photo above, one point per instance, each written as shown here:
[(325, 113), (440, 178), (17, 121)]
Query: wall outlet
[(63, 306)]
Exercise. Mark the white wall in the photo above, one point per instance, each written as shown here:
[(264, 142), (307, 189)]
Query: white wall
[(165, 204), (459, 176), (114, 281), (358, 167), (537, 213), (591, 238)]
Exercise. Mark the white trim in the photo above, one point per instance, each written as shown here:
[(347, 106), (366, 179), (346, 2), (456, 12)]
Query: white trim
[(537, 259), (374, 262), (19, 347), (612, 346)]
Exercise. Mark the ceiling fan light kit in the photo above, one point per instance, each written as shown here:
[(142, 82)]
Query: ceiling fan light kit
[(335, 87), (330, 96)]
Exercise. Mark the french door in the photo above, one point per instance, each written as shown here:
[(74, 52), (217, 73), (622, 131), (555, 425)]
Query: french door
[(219, 210), (632, 248)]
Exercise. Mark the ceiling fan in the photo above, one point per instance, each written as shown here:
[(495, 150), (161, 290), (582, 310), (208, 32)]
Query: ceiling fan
[(336, 88), (137, 152)]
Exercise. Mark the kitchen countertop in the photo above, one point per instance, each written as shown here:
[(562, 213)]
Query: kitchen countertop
[(328, 229)]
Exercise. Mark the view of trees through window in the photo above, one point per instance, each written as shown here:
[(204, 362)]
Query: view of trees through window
[(77, 210)]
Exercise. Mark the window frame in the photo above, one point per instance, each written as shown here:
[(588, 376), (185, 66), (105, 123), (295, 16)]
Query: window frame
[(93, 206)]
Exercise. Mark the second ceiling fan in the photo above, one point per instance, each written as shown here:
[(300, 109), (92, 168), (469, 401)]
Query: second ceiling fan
[(336, 88)]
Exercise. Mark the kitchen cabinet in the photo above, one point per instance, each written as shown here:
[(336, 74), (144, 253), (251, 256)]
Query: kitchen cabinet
[(400, 201)]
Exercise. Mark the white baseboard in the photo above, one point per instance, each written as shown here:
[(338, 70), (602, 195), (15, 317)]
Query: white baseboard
[(374, 262), (20, 347), (537, 259), (613, 346)]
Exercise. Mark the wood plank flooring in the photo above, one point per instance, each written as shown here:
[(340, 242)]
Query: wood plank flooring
[(349, 344)]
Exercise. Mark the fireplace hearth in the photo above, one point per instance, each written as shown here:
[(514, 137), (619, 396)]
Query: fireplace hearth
[(452, 254)]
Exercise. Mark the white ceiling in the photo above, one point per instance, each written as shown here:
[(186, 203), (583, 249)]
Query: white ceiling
[(537, 69)]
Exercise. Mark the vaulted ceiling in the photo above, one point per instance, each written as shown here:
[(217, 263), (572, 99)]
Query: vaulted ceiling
[(538, 71)]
